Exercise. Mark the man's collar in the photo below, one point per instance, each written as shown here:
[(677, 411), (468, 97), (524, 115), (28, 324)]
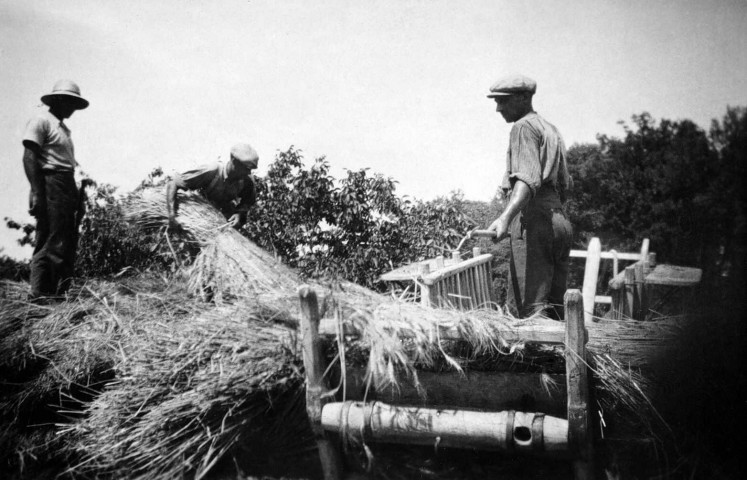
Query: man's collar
[(54, 118), (223, 172)]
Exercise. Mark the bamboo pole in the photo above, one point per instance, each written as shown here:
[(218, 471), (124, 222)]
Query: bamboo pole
[(507, 430), (313, 362), (579, 432)]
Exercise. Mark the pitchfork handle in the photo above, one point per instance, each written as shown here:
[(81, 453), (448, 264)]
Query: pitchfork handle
[(483, 233)]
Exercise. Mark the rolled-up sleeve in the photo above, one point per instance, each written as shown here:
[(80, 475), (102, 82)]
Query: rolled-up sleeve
[(195, 179), (524, 158), (36, 131)]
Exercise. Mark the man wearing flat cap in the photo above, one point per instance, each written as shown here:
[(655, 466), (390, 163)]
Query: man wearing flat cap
[(49, 163), (228, 186), (535, 187)]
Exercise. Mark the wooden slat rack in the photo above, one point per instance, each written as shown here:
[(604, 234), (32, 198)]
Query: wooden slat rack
[(453, 282)]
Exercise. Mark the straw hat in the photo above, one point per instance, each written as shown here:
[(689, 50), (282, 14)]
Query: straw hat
[(68, 89)]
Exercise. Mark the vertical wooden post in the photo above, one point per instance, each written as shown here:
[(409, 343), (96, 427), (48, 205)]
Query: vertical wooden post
[(644, 249), (652, 260), (314, 366), (618, 303), (615, 263), (591, 274), (640, 289), (630, 302), (475, 252), (426, 291), (579, 422)]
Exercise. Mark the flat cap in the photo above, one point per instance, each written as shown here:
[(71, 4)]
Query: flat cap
[(244, 153), (512, 85)]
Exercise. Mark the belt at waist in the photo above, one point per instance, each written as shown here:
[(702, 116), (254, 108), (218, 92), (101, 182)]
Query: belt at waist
[(58, 172)]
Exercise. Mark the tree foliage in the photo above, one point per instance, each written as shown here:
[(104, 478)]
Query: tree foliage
[(662, 180), (108, 245), (355, 228)]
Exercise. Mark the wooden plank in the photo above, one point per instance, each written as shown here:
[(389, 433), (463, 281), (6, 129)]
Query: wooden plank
[(591, 275), (405, 273), (475, 390), (314, 367), (579, 421), (529, 330), (674, 275), (453, 269), (608, 255)]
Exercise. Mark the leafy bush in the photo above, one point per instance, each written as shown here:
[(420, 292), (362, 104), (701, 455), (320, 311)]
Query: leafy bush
[(12, 269), (669, 181), (356, 228), (108, 244)]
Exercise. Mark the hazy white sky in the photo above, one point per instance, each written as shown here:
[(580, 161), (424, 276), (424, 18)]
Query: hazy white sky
[(398, 86)]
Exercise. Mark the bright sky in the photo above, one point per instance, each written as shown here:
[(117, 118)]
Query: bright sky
[(397, 86)]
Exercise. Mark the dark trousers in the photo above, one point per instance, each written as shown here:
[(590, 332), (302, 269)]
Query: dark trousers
[(540, 251), (56, 236)]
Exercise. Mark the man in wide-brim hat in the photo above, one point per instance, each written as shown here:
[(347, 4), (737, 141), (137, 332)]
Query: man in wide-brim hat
[(49, 162)]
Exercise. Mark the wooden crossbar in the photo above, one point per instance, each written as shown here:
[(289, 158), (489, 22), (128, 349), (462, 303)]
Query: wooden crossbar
[(593, 255)]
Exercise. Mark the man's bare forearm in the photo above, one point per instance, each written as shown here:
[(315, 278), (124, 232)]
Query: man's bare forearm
[(519, 198), (32, 167)]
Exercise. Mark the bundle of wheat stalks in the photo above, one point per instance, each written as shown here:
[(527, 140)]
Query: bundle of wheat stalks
[(229, 264), (141, 383)]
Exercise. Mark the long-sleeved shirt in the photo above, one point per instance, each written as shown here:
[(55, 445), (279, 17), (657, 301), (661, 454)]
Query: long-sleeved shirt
[(228, 195), (536, 156)]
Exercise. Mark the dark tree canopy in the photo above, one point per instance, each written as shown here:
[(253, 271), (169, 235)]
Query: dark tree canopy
[(669, 181)]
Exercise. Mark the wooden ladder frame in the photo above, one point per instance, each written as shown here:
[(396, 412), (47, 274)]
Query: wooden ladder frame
[(450, 282), (628, 297), (579, 447)]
